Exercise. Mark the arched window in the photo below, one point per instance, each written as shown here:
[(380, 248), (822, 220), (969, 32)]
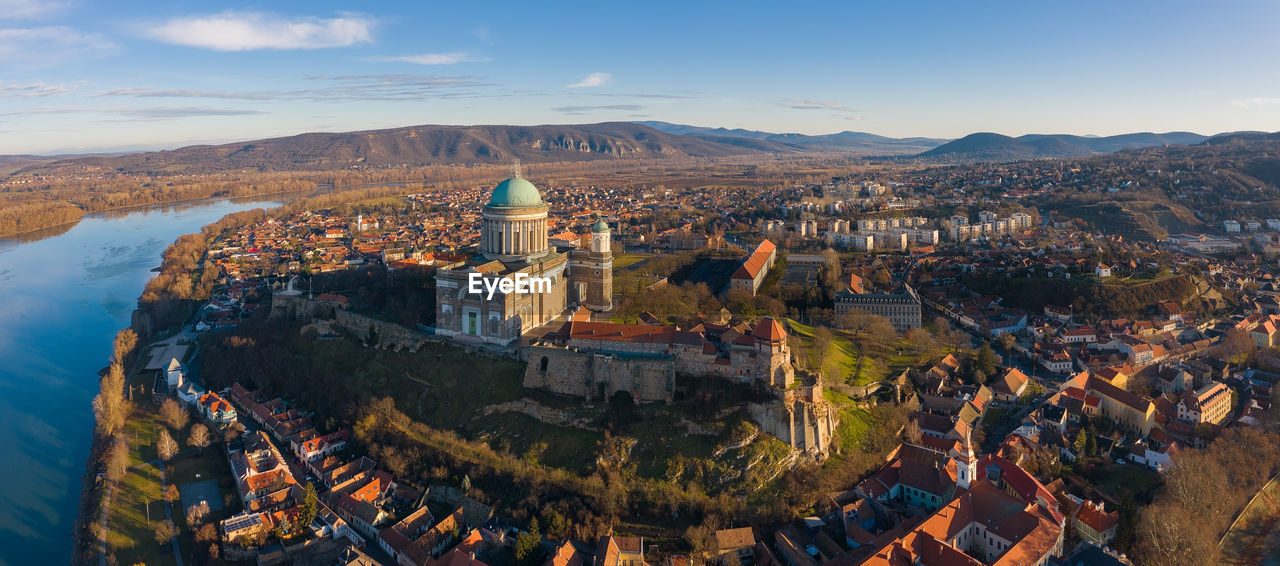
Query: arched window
[(543, 364)]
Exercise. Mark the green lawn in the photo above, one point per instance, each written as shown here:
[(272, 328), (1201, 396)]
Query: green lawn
[(623, 261), (841, 360), (136, 506)]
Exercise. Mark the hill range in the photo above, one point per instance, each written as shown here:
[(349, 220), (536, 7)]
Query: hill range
[(470, 145), (987, 146)]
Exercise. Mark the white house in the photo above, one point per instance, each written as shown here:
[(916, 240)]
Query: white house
[(175, 373), (1103, 270), (1231, 226)]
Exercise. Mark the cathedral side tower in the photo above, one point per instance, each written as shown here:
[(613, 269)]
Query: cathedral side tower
[(592, 271)]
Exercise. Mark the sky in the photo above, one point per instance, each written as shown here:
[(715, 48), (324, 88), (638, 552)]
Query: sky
[(80, 76)]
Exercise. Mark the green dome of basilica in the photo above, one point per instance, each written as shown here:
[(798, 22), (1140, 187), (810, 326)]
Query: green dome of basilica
[(600, 227), (515, 193)]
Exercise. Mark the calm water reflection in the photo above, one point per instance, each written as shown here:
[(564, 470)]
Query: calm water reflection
[(62, 299)]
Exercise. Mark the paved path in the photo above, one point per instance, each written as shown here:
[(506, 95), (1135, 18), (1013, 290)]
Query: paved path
[(168, 514)]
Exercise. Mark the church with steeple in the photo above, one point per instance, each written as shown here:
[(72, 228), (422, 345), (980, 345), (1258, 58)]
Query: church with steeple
[(514, 244)]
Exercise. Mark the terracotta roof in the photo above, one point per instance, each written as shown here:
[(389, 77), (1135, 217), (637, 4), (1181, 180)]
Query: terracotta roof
[(756, 261), (769, 329), (727, 539), (1096, 517), (621, 332)]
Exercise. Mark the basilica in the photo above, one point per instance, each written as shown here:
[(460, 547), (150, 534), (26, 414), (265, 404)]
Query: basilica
[(514, 246)]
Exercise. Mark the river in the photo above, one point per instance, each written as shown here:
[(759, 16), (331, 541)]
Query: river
[(64, 293)]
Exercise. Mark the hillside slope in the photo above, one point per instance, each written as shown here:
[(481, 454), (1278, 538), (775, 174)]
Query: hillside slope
[(425, 145)]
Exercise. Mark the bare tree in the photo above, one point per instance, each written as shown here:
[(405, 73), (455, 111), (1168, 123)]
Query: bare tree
[(199, 436), (165, 446), (165, 531), (118, 458), (174, 414)]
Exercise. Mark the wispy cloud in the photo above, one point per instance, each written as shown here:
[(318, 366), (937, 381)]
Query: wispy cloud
[(341, 88), (592, 80), (246, 31), (1255, 102), (136, 113), (29, 9), (434, 58), (171, 112), (586, 109), (142, 92), (808, 104), (46, 45), (32, 90)]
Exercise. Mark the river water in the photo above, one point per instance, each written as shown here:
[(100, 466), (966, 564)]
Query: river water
[(64, 293)]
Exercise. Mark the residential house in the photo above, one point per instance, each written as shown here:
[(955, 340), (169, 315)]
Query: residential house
[(1095, 524), (1009, 386), (216, 409), (738, 543)]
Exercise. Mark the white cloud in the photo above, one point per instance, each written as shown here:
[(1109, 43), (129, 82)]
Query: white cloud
[(592, 80), (28, 9), (32, 90), (245, 31), (1255, 102), (808, 104), (51, 44), (435, 58)]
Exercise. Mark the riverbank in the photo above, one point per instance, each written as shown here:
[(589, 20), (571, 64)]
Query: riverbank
[(66, 295)]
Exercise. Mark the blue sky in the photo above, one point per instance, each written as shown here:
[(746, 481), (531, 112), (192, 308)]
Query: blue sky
[(78, 75)]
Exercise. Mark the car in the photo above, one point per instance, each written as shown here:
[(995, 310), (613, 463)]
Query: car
[(1120, 461)]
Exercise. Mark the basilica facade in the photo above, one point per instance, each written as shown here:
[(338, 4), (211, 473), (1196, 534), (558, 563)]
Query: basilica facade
[(514, 246)]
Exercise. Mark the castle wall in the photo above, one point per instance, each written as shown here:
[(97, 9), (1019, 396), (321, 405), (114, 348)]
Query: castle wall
[(388, 334), (598, 376)]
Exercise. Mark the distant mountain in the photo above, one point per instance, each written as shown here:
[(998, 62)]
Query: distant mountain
[(986, 146), (857, 142), (426, 145), (1234, 137)]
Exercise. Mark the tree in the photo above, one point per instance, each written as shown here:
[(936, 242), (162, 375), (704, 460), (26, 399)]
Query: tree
[(197, 515), (1082, 443), (1007, 341), (118, 458), (110, 407), (984, 360), (164, 532), (821, 346), (912, 433), (283, 529), (165, 446), (466, 483), (199, 436), (174, 415), (1235, 346), (528, 545), (171, 494), (309, 504), (126, 340)]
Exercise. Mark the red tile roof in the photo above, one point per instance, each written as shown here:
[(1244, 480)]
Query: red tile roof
[(756, 261)]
